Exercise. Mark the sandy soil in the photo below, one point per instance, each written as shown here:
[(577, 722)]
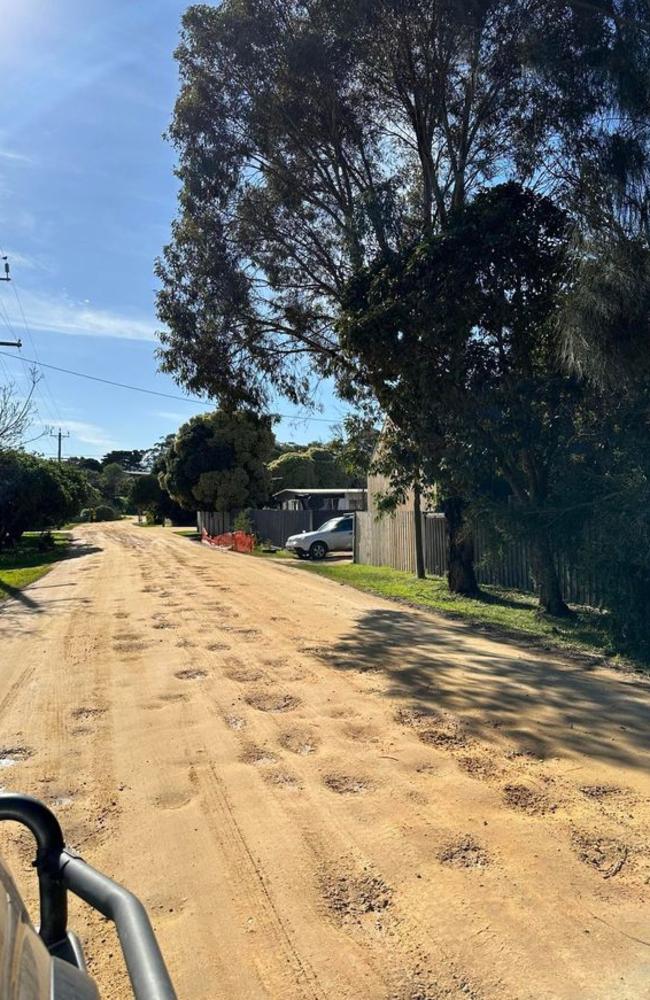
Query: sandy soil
[(320, 795)]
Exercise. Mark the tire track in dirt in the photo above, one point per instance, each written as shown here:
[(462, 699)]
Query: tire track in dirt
[(352, 856)]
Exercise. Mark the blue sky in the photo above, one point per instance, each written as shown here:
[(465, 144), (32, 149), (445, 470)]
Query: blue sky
[(87, 194)]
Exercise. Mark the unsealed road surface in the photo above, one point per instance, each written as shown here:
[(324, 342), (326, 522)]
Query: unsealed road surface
[(320, 795)]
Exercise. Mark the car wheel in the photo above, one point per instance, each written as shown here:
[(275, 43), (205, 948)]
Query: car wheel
[(318, 550)]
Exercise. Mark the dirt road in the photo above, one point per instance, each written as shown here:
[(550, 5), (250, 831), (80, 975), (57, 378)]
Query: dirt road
[(320, 795)]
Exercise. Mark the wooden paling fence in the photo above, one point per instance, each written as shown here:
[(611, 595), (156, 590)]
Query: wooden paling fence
[(269, 525), (390, 541)]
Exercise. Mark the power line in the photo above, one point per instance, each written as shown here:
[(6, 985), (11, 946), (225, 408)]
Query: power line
[(56, 411), (153, 392)]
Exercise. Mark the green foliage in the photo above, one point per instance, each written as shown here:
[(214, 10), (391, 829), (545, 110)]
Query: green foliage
[(316, 467), (217, 462), (112, 481), (457, 339), (35, 493), (103, 512), (355, 444), (26, 561), (293, 470), (243, 522), (147, 496), (511, 612), (145, 493), (129, 461)]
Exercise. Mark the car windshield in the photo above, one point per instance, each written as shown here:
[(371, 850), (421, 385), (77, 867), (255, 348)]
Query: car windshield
[(331, 525)]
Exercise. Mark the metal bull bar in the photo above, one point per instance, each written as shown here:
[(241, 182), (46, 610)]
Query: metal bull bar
[(59, 870)]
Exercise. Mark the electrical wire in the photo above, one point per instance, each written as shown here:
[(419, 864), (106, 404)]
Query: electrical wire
[(154, 392), (55, 412)]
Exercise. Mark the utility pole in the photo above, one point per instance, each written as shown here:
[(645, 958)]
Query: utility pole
[(7, 277), (60, 435)]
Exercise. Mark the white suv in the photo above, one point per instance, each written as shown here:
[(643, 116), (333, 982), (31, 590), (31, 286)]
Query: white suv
[(336, 535)]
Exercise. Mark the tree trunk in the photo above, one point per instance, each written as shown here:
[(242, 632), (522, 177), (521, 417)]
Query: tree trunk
[(461, 577), (419, 541), (551, 600)]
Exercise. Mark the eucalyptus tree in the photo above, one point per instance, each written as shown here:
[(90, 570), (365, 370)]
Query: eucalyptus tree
[(316, 136)]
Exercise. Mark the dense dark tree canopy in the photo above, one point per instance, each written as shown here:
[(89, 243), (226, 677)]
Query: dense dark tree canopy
[(217, 462), (316, 467), (313, 137), (458, 340), (130, 461), (36, 493), (335, 162)]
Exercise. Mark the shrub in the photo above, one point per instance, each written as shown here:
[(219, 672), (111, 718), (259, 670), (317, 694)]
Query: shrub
[(105, 513), (243, 522), (45, 542)]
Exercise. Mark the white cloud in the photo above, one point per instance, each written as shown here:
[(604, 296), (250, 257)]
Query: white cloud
[(177, 418), (11, 154), (61, 314), (88, 433)]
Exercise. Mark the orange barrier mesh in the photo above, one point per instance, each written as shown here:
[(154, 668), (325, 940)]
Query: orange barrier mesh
[(236, 541)]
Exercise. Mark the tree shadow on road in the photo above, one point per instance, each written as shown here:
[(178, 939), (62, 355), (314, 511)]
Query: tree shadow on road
[(548, 703), (12, 612)]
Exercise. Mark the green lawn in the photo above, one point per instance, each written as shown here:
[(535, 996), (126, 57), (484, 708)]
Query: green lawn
[(504, 611), (25, 564)]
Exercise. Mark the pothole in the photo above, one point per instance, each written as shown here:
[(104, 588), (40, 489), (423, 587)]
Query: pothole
[(215, 647), (439, 729), (267, 701), (235, 722), (524, 753), (301, 743), (243, 675), (88, 712), (463, 852), (351, 897), (172, 799), (604, 854), (283, 779), (346, 784), (527, 799), (14, 755), (191, 674), (253, 754), (599, 791), (445, 734), (481, 768), (162, 624), (247, 633)]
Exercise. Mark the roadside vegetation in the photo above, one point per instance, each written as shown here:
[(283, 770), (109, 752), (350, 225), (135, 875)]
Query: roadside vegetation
[(509, 612), (431, 210), (31, 558)]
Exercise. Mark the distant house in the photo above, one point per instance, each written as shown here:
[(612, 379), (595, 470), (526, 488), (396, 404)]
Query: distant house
[(321, 499)]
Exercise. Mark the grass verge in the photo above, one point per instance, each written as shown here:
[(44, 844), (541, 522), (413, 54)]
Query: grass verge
[(512, 614), (23, 565)]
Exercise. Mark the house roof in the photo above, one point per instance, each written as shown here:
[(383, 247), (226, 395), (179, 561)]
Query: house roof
[(334, 492)]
